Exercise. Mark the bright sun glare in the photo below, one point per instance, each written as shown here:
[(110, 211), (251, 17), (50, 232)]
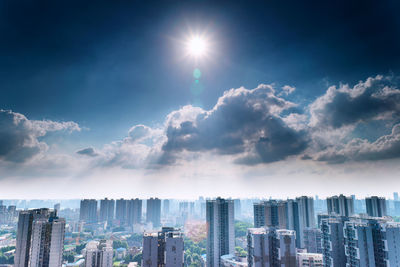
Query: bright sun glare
[(197, 46)]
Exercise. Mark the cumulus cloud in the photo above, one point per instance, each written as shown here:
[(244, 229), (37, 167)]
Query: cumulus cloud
[(255, 126), (246, 123), (287, 89), (19, 136), (375, 98)]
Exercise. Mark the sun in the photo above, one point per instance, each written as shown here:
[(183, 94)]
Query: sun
[(197, 46)]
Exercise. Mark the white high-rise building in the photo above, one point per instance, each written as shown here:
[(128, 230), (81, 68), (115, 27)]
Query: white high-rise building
[(47, 244), (99, 254), (25, 232), (220, 230)]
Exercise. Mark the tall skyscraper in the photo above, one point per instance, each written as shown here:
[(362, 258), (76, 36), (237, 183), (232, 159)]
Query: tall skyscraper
[(268, 247), (306, 216), (287, 247), (47, 242), (57, 207), (99, 254), (358, 244), (40, 239), (107, 207), (395, 196), (24, 234), (134, 207), (88, 210), (153, 212), (220, 230), (163, 249), (121, 211), (333, 242), (166, 207), (340, 205), (376, 206)]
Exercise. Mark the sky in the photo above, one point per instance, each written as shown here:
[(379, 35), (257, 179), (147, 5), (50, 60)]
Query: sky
[(101, 98)]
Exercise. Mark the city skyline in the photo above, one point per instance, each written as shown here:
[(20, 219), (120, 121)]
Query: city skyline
[(199, 98)]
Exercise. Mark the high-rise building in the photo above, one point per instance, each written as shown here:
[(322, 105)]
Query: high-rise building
[(278, 214), (40, 239), (166, 207), (134, 207), (358, 244), (88, 210), (333, 242), (238, 208), (57, 207), (340, 205), (47, 242), (395, 196), (107, 207), (376, 206), (312, 240), (153, 212), (268, 247), (220, 230), (286, 240), (310, 260), (163, 249), (121, 211), (306, 216), (99, 254)]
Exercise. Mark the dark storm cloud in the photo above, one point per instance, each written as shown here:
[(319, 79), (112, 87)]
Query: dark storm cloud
[(19, 137), (243, 122)]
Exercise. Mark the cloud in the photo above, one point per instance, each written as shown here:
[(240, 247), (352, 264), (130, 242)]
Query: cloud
[(259, 126), (374, 99), (246, 123), (385, 147), (90, 151), (19, 136), (287, 90)]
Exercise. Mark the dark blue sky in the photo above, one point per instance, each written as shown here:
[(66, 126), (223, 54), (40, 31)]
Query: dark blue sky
[(96, 89), (108, 65)]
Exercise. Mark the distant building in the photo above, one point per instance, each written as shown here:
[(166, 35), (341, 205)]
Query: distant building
[(163, 249), (220, 230), (166, 203), (134, 211), (153, 212), (376, 206), (107, 210), (99, 253), (340, 205), (57, 207), (121, 211), (88, 210)]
